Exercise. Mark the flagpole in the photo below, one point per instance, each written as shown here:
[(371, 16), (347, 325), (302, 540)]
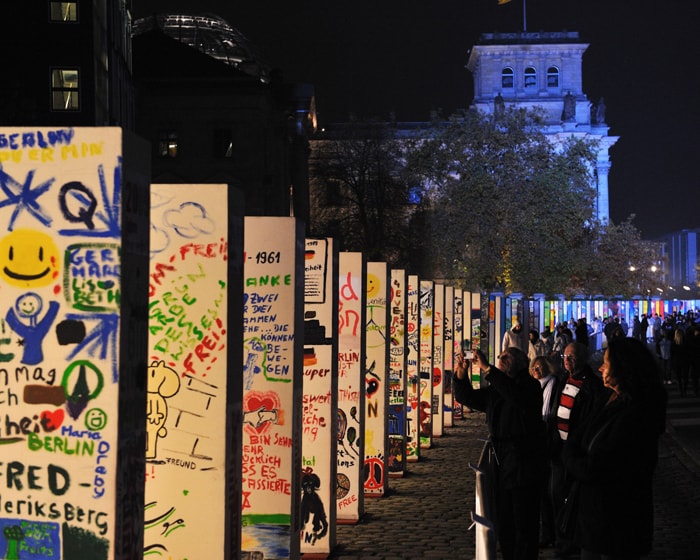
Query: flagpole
[(524, 16)]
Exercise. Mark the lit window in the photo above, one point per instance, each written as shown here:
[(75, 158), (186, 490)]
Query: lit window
[(507, 78), (63, 11), (552, 77), (223, 143), (65, 89), (167, 144), (530, 77)]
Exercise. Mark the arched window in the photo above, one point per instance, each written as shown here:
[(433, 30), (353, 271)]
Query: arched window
[(530, 78), (507, 78), (552, 77)]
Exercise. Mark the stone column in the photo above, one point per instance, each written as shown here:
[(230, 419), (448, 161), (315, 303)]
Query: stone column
[(603, 202)]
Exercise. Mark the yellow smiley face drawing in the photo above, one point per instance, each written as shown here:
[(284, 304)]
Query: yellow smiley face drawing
[(373, 286), (28, 258)]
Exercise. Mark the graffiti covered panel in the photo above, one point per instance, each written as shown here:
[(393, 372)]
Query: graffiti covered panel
[(376, 380), (396, 460), (187, 371), (458, 338), (272, 384), (412, 370), (351, 401), (320, 397), (61, 218), (449, 355), (438, 360), (427, 309)]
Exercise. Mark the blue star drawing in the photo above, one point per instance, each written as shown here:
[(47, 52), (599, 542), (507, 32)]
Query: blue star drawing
[(24, 197)]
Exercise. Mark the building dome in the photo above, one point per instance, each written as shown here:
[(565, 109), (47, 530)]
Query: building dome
[(210, 35)]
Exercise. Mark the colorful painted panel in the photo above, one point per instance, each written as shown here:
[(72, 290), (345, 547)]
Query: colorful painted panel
[(396, 462), (458, 336), (320, 397), (272, 356), (376, 379), (475, 318), (427, 306), (413, 369), (438, 359), (187, 372), (449, 354), (61, 377), (351, 391), (496, 326)]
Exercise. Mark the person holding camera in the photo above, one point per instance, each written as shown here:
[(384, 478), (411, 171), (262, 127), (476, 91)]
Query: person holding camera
[(512, 402)]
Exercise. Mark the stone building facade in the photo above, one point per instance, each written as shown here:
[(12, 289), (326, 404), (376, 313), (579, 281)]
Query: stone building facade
[(544, 70)]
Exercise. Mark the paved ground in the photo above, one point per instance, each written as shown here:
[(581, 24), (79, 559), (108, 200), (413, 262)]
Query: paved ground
[(426, 514)]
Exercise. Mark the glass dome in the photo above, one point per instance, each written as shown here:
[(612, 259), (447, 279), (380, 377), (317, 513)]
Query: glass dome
[(211, 35)]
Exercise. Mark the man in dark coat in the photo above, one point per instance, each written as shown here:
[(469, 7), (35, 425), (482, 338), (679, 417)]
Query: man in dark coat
[(577, 397), (643, 328), (513, 406), (581, 331)]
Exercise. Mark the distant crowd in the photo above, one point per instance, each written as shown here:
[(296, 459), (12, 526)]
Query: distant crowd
[(675, 341)]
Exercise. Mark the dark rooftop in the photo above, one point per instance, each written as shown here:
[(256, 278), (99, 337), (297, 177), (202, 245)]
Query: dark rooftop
[(210, 35), (529, 37)]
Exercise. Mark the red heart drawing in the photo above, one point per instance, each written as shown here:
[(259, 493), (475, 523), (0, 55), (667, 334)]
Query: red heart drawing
[(260, 411), (52, 420)]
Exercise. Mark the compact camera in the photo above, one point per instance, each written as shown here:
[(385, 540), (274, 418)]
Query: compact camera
[(467, 350)]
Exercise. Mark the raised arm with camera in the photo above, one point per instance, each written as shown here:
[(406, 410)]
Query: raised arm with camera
[(512, 402)]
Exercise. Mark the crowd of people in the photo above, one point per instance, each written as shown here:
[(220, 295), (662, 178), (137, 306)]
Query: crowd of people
[(574, 431), (675, 342)]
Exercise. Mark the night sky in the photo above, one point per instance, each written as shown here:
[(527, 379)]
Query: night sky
[(374, 57)]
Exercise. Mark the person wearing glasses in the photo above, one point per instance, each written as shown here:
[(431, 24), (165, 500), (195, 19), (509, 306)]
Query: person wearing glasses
[(512, 402), (561, 340), (578, 396)]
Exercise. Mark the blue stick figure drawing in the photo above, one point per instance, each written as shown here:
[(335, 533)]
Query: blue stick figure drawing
[(26, 324)]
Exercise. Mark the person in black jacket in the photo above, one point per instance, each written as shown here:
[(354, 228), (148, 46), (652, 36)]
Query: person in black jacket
[(614, 457), (576, 398), (513, 406), (693, 343), (680, 360), (581, 331)]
